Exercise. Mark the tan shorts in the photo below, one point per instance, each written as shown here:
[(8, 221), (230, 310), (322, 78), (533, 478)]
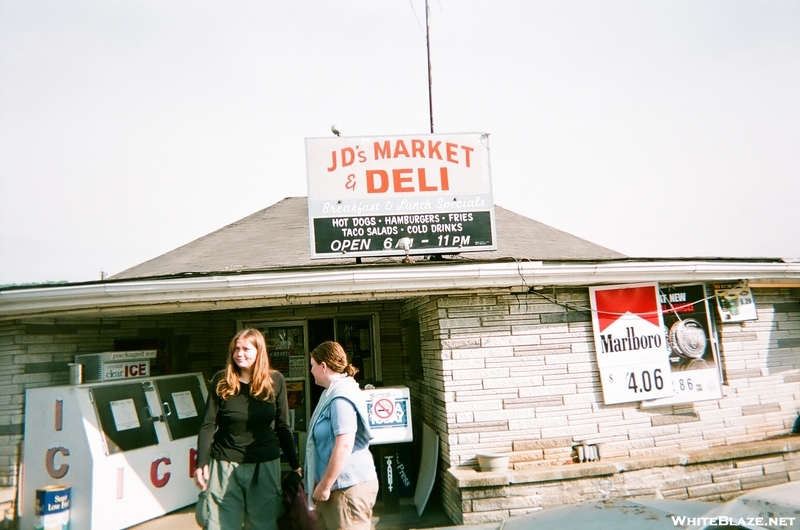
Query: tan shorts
[(348, 508)]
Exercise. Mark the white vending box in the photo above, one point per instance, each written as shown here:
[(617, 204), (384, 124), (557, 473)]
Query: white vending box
[(125, 448)]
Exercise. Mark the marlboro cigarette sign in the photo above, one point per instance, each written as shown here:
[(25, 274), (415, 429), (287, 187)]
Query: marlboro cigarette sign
[(632, 352)]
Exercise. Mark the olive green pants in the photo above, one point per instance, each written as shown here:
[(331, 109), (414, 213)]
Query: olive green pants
[(244, 496)]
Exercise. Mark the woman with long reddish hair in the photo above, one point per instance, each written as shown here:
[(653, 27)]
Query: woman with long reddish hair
[(245, 428)]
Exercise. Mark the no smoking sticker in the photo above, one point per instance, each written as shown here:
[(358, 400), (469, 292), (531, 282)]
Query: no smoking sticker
[(383, 408), (389, 414)]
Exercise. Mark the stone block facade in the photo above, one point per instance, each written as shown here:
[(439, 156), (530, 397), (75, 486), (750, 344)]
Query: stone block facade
[(519, 376), (715, 474)]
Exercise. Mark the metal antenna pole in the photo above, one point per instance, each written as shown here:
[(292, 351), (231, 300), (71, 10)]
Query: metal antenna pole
[(428, 45)]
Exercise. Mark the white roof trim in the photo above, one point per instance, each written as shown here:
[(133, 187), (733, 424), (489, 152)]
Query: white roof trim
[(352, 284)]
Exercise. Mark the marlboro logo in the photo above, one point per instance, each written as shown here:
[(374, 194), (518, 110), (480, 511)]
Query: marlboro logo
[(614, 304), (630, 342), (630, 305)]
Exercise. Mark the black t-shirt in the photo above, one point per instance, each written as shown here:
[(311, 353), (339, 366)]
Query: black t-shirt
[(245, 429)]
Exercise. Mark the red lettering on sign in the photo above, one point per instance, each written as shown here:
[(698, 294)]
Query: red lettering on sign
[(192, 461), (384, 150), (50, 464), (157, 481), (400, 180), (135, 370), (403, 181), (59, 414), (384, 181)]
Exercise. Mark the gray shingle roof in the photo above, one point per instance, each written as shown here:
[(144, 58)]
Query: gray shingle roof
[(277, 237)]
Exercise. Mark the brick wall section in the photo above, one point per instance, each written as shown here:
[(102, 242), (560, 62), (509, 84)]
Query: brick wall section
[(427, 390), (520, 376)]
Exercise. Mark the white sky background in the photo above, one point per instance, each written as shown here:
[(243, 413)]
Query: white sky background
[(659, 129)]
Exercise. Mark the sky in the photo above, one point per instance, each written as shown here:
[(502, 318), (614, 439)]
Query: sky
[(665, 128)]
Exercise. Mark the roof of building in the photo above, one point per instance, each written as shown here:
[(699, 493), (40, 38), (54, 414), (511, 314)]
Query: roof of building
[(277, 238), (264, 260)]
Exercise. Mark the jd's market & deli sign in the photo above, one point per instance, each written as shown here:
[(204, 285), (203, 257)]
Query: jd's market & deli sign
[(398, 195)]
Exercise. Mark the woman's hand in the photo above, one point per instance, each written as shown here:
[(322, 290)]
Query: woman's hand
[(201, 477), (321, 493), (342, 448)]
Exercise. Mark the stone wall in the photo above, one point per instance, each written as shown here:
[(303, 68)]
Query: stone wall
[(520, 376), (715, 474)]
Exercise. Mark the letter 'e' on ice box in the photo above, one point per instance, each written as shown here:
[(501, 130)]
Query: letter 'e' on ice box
[(52, 508)]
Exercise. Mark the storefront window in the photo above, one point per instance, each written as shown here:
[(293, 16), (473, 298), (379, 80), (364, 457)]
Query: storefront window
[(287, 349), (355, 335)]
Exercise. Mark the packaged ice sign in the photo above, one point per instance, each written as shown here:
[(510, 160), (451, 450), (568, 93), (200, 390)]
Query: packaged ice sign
[(389, 413), (399, 195), (631, 347), (114, 365), (126, 370)]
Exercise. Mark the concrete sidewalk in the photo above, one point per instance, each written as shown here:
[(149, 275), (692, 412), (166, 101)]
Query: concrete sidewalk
[(405, 519)]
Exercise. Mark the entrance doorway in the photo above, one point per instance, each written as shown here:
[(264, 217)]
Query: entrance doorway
[(289, 344), (356, 335)]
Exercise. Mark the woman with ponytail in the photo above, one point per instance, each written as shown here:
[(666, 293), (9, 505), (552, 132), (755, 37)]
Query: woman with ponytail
[(340, 472), (245, 428)]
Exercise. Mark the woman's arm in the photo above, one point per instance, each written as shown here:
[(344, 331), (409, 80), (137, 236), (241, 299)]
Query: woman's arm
[(342, 448), (282, 428), (206, 435)]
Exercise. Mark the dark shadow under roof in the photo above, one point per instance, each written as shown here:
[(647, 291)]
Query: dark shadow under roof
[(277, 237)]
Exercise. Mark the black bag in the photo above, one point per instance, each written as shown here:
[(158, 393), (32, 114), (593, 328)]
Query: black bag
[(296, 515)]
